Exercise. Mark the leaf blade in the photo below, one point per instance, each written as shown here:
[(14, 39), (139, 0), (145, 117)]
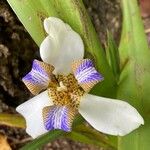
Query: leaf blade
[(12, 120), (134, 78), (112, 54), (31, 13), (48, 137)]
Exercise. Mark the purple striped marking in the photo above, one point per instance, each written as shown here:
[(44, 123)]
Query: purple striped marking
[(38, 78), (86, 73), (37, 75), (57, 117)]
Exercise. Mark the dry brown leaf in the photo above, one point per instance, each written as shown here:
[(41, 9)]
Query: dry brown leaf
[(4, 143)]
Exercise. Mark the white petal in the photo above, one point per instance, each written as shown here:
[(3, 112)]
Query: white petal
[(31, 110), (110, 116), (61, 47), (46, 50), (53, 25)]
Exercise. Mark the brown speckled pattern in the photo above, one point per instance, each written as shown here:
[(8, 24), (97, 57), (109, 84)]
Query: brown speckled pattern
[(71, 96)]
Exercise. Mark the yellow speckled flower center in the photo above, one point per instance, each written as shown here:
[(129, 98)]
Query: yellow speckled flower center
[(66, 91)]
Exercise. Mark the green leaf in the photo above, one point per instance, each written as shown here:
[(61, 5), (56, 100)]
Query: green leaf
[(50, 136), (97, 138), (42, 140), (12, 120), (86, 139), (32, 13), (112, 54), (135, 75)]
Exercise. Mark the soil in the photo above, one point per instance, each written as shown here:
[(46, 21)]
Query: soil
[(17, 50)]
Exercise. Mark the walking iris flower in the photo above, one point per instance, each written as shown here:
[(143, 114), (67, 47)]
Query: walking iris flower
[(63, 80)]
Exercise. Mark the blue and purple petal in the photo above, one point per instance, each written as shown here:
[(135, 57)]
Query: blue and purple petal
[(86, 74), (39, 77), (58, 117)]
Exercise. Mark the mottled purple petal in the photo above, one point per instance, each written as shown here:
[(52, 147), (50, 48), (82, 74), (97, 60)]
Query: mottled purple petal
[(58, 117), (86, 73), (39, 77)]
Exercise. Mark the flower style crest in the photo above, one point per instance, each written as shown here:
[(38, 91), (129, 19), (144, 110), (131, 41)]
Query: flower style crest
[(64, 79)]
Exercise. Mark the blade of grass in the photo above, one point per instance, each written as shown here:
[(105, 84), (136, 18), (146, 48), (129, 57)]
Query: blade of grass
[(135, 76), (50, 136), (112, 54), (32, 13), (84, 138), (102, 140), (12, 120), (42, 140)]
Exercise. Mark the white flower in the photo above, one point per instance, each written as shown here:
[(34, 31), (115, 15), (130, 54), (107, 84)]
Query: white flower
[(66, 78)]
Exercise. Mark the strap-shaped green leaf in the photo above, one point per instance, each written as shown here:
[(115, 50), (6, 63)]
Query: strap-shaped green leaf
[(88, 135), (12, 120), (87, 140), (50, 136), (135, 75), (112, 54), (39, 142), (32, 13)]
